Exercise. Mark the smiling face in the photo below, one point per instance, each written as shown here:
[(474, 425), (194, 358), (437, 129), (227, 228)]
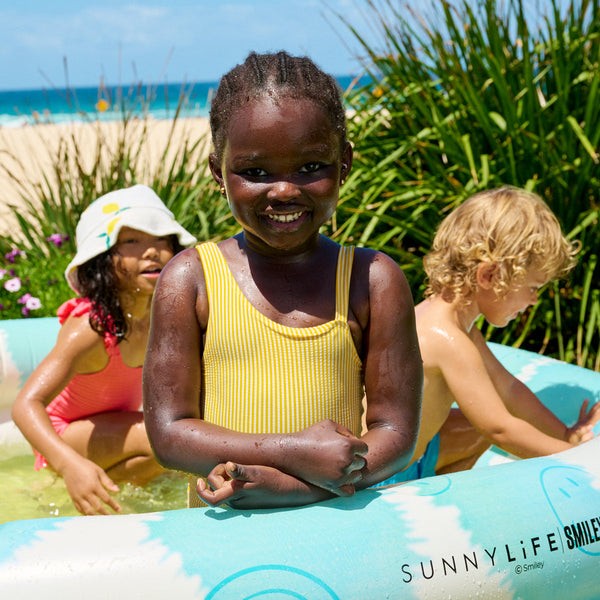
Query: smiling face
[(281, 170), (139, 258)]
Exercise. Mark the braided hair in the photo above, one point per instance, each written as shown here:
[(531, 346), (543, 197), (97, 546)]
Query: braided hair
[(277, 74)]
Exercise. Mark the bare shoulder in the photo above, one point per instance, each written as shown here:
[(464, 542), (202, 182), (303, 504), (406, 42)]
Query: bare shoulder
[(378, 272), (183, 269), (441, 339), (376, 261), (378, 285), (495, 369), (80, 346), (180, 291)]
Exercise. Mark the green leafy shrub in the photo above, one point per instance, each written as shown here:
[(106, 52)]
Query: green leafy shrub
[(34, 286)]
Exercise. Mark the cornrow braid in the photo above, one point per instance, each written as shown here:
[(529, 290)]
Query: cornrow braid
[(276, 74)]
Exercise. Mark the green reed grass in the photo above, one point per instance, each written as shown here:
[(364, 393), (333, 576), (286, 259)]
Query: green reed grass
[(469, 95)]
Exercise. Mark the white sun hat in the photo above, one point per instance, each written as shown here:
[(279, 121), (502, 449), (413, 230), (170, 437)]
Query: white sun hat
[(137, 207)]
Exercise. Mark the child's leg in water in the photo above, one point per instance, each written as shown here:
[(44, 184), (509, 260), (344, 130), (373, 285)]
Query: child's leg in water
[(117, 442), (461, 444)]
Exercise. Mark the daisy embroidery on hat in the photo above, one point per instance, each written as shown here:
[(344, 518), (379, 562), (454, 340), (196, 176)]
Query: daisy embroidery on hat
[(111, 207)]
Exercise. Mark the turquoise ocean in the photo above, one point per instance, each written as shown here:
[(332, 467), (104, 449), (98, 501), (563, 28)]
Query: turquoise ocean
[(110, 103)]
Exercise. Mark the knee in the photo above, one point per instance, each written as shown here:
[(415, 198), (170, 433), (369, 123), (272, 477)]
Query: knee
[(140, 437)]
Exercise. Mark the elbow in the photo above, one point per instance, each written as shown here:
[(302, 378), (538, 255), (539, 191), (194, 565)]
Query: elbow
[(162, 442), (401, 443), (161, 454), (164, 457), (16, 413), (498, 435), (406, 451)]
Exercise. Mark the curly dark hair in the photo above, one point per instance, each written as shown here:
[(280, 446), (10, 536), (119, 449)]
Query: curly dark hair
[(97, 280), (281, 74)]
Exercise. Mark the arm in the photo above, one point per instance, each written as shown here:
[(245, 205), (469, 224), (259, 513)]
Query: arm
[(472, 372), (257, 486), (393, 370), (181, 439), (524, 404), (78, 350)]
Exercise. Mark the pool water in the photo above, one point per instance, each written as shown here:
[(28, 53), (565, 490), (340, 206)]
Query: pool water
[(29, 494)]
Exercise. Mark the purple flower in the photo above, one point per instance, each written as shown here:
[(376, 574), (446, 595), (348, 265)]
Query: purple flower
[(3, 272), (57, 239), (10, 257), (30, 302), (33, 303), (13, 285)]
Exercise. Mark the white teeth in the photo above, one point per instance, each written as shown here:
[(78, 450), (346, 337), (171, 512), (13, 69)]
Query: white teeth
[(285, 218)]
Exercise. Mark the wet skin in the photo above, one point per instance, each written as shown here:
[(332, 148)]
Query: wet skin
[(495, 407)]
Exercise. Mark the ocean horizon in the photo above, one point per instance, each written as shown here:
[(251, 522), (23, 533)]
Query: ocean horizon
[(111, 103)]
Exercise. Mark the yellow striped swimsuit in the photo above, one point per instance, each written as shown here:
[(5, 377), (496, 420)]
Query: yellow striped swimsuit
[(263, 377)]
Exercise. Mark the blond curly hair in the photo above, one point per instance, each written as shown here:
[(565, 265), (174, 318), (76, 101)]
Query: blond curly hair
[(509, 226)]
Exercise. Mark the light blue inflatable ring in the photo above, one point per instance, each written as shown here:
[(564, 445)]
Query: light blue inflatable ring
[(523, 529)]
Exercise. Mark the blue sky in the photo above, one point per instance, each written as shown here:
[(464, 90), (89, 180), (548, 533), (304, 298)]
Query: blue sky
[(163, 40), (158, 41)]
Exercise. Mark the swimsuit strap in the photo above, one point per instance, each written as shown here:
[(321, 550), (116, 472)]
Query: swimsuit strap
[(342, 282)]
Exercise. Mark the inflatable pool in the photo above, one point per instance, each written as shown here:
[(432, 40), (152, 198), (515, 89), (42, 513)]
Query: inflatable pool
[(523, 529)]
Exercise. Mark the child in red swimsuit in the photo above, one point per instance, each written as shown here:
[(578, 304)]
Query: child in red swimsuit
[(80, 409)]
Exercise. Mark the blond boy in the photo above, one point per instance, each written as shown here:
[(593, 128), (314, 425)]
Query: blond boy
[(490, 258)]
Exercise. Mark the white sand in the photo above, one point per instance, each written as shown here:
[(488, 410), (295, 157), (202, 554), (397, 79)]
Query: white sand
[(27, 153)]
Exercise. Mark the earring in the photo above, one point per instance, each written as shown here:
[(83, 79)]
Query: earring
[(223, 192)]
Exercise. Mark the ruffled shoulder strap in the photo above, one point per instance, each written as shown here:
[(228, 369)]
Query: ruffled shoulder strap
[(75, 307), (79, 307)]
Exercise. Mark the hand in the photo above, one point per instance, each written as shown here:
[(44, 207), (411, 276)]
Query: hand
[(88, 485), (582, 431), (328, 456), (255, 486)]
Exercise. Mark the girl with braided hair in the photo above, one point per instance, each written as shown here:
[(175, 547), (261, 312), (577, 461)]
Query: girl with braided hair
[(263, 346)]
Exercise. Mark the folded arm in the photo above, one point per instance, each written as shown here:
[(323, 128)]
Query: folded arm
[(325, 454), (393, 384)]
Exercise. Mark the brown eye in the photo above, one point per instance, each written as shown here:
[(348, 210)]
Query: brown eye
[(255, 172), (312, 167)]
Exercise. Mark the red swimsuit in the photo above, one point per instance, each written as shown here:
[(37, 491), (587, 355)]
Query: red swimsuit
[(116, 387)]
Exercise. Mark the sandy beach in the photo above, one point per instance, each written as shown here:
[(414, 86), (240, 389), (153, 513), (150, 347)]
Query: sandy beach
[(27, 153)]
